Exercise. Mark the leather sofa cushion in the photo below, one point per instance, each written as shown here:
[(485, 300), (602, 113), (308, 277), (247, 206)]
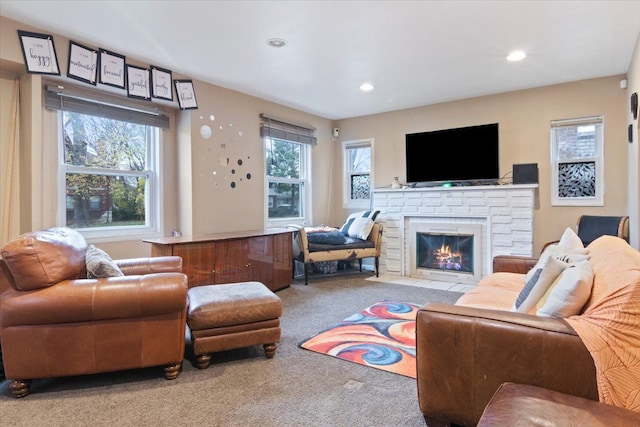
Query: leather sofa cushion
[(42, 258)]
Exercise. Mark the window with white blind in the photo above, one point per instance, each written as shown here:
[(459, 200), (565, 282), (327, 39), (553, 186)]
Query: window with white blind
[(108, 151), (577, 162), (357, 172)]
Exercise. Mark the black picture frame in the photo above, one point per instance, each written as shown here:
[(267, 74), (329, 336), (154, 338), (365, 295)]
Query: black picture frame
[(112, 69), (83, 63), (186, 94), (161, 87), (138, 82), (634, 105), (39, 53), (630, 133)]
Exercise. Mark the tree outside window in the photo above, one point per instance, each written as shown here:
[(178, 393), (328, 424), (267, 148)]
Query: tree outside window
[(106, 172), (285, 168)]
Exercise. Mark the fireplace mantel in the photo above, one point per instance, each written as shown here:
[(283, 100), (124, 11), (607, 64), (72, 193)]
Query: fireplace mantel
[(505, 213)]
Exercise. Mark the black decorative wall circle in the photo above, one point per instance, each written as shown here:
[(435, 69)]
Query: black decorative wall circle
[(634, 105)]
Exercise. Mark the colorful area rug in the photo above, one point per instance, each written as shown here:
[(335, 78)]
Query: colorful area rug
[(381, 336)]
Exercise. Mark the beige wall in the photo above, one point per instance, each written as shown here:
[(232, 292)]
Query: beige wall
[(524, 118)]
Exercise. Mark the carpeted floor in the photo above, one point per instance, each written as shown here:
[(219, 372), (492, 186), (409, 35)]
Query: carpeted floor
[(241, 387), (381, 336)]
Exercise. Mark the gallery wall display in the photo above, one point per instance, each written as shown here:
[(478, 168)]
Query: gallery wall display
[(112, 69), (186, 94), (39, 53), (83, 63)]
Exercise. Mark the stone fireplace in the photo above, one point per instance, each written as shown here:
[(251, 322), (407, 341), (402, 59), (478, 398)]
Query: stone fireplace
[(486, 220)]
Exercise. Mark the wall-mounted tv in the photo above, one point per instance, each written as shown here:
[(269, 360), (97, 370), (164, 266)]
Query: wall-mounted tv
[(467, 155)]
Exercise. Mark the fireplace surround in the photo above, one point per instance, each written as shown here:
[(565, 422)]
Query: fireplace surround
[(502, 216)]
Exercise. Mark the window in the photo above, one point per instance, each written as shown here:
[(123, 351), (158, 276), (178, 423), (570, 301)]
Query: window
[(357, 164), (287, 165), (577, 162), (108, 168)]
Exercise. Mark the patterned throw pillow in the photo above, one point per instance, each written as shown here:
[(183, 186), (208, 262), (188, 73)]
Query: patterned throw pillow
[(99, 264), (535, 288), (359, 224), (568, 294)]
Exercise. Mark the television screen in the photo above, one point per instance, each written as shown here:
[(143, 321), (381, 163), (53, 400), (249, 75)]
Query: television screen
[(468, 154)]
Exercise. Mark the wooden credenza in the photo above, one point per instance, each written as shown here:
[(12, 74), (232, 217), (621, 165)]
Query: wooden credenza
[(261, 255)]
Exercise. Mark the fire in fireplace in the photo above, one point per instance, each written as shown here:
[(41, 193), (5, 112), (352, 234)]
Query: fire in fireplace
[(452, 252)]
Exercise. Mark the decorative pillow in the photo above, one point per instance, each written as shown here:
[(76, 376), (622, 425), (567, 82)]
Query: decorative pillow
[(567, 295), (100, 264), (570, 247), (535, 288), (359, 224)]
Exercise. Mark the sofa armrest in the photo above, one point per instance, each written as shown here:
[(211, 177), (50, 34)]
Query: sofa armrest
[(513, 264), (464, 354), (150, 265), (89, 300)]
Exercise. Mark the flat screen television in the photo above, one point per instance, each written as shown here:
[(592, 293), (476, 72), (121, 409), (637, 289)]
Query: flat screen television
[(467, 155)]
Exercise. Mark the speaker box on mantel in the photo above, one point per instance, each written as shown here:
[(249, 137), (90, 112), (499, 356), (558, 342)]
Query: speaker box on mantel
[(525, 173)]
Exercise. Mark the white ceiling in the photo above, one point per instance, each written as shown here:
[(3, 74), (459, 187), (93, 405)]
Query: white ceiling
[(414, 52)]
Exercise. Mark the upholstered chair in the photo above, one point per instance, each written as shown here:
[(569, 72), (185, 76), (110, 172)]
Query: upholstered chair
[(54, 321)]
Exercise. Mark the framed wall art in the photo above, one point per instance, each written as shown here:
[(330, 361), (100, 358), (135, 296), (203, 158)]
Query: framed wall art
[(186, 94), (138, 82), (111, 69), (39, 53), (161, 83), (634, 105), (83, 63)]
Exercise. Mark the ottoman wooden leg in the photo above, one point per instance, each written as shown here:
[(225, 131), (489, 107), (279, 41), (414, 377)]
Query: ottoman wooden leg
[(270, 349), (203, 360)]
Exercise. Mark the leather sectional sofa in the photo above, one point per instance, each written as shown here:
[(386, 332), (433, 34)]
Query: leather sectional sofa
[(467, 350)]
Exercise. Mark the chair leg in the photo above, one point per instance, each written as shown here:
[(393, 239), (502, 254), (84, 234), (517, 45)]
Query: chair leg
[(203, 360), (20, 388), (360, 264), (377, 266), (306, 274), (171, 372)]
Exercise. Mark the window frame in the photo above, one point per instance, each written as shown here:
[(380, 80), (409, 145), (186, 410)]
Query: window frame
[(153, 193), (303, 180), (347, 201), (598, 159)]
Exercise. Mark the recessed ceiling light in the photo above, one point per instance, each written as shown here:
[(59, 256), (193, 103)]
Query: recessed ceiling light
[(516, 55), (366, 87), (277, 42)]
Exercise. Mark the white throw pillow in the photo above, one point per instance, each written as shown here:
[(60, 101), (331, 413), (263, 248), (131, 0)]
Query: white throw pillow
[(535, 288), (359, 224), (569, 249), (567, 295)]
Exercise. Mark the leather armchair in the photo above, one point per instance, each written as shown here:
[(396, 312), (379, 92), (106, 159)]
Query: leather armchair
[(464, 354), (54, 322)]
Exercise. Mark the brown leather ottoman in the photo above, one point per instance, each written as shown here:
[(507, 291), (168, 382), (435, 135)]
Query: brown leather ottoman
[(230, 316), (526, 405)]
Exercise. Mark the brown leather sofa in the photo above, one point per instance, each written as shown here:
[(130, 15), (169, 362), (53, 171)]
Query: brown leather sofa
[(466, 351), (55, 322)]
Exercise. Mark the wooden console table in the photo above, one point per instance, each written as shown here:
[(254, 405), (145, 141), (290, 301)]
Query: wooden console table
[(261, 255)]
